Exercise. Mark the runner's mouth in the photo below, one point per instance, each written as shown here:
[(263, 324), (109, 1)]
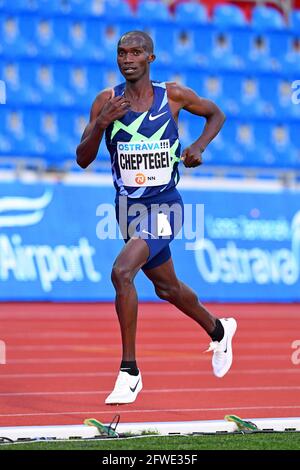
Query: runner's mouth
[(129, 69)]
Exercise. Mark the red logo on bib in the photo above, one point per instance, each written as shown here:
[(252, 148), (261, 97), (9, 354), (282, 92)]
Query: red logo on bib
[(140, 178)]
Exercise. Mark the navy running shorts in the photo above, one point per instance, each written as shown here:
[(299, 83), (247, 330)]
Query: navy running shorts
[(156, 219)]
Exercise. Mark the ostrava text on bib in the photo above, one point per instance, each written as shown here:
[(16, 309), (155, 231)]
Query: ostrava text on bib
[(145, 163)]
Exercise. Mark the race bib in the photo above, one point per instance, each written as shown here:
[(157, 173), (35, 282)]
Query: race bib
[(145, 163)]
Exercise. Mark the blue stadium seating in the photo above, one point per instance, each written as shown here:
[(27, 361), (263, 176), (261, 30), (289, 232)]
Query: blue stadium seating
[(229, 15), (188, 13), (117, 10), (152, 11), (295, 20), (12, 43), (56, 55), (264, 18)]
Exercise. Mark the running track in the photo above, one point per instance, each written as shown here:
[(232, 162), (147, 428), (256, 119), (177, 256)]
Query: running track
[(62, 361)]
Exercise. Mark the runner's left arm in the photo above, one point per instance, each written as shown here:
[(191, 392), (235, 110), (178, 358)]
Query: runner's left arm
[(187, 99)]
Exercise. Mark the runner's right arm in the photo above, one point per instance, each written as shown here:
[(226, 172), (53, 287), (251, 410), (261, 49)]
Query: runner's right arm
[(105, 109)]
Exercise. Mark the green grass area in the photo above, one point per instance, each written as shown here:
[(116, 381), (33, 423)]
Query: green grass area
[(259, 441)]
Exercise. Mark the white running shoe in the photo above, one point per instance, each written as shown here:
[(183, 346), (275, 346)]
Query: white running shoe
[(126, 389), (222, 357)]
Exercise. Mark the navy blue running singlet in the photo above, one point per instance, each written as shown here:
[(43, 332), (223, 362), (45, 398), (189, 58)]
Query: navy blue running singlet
[(144, 148)]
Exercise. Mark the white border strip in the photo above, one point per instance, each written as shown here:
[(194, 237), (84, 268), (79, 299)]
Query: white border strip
[(165, 428)]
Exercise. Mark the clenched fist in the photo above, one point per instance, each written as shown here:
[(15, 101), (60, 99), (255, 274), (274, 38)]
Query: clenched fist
[(192, 156)]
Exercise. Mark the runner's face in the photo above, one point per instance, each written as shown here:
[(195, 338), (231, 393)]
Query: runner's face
[(133, 59)]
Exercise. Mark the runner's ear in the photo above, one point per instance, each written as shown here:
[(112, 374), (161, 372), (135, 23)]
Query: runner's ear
[(151, 58)]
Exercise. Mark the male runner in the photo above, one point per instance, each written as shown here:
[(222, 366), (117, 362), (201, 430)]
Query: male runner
[(137, 116)]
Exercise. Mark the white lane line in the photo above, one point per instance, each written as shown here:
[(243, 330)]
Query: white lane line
[(151, 356), (99, 360), (161, 410), (162, 390), (52, 375), (158, 334), (144, 345)]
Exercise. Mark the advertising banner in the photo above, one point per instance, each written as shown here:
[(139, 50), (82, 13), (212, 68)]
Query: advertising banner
[(59, 241)]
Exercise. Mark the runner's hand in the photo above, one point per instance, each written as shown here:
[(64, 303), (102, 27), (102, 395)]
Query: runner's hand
[(192, 156), (114, 109)]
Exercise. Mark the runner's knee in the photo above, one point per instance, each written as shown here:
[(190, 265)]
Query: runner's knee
[(167, 292), (121, 276)]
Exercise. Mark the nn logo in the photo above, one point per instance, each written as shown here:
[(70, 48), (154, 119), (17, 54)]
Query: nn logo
[(2, 92)]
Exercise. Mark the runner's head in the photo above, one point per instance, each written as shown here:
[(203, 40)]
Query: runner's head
[(135, 54)]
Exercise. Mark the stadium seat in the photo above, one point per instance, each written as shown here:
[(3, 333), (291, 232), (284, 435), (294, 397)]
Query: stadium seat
[(162, 36), (79, 38), (191, 13), (50, 91), (85, 83), (275, 140), (268, 88), (249, 97), (295, 139), (161, 74), (152, 11), (54, 137), (23, 141), (283, 98), (117, 10), (18, 6), (291, 59), (183, 47), (109, 77), (222, 55), (5, 142), (44, 38), (279, 43), (81, 9), (12, 43), (9, 72), (264, 18), (203, 40), (259, 55), (213, 89), (282, 148), (247, 152), (50, 7), (228, 15), (73, 123), (294, 20), (232, 83)]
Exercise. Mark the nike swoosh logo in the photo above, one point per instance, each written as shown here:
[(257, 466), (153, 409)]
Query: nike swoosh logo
[(134, 388), (152, 118)]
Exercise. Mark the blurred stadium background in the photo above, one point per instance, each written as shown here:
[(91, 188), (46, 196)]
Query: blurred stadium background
[(56, 55)]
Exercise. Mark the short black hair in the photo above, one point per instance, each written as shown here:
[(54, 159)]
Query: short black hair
[(148, 46)]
